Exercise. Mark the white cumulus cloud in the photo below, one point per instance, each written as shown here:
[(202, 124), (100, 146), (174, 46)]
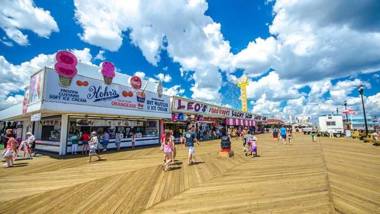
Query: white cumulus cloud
[(18, 15), (180, 27), (175, 90), (164, 77), (14, 78)]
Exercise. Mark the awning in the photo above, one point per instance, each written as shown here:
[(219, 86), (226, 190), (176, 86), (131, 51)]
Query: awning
[(240, 122)]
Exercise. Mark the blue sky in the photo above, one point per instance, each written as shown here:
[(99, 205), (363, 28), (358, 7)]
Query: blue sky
[(291, 56)]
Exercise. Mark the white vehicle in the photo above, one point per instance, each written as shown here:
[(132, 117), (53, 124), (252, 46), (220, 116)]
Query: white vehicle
[(331, 124)]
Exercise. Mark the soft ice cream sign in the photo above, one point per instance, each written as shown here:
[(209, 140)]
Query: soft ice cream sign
[(189, 106), (63, 85), (87, 91)]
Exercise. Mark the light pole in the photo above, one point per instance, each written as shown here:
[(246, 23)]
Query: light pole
[(345, 111), (361, 92), (345, 108)]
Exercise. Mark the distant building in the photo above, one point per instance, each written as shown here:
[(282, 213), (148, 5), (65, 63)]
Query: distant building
[(357, 122)]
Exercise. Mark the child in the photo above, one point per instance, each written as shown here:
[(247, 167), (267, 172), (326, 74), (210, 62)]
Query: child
[(182, 139), (290, 137), (254, 147), (247, 138), (168, 150), (24, 146), (8, 152), (275, 135), (174, 150), (93, 146)]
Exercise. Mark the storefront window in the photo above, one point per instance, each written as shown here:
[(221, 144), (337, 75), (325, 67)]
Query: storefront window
[(148, 128), (51, 129)]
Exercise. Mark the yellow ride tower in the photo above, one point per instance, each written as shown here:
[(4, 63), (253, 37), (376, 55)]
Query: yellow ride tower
[(242, 84)]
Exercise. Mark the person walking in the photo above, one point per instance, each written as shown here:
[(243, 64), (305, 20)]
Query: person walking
[(9, 150), (85, 138), (174, 152), (31, 140), (167, 148), (225, 141), (5, 137), (290, 136), (93, 143), (190, 139), (283, 134), (275, 135), (118, 137), (105, 141), (26, 145), (133, 139)]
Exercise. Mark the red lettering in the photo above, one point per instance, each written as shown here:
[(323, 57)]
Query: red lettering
[(123, 104)]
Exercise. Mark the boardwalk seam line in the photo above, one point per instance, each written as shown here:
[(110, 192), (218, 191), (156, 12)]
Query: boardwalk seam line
[(194, 186), (331, 198)]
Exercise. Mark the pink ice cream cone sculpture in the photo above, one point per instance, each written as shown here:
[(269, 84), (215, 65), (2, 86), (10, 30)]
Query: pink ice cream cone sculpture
[(66, 67), (108, 72)]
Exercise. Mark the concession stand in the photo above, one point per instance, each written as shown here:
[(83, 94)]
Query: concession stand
[(58, 104), (207, 118), (238, 121)]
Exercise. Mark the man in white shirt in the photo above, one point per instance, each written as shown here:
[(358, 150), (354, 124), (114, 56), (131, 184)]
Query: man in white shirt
[(31, 140)]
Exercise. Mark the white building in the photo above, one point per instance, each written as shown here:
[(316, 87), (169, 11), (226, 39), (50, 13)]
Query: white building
[(54, 112), (331, 124)]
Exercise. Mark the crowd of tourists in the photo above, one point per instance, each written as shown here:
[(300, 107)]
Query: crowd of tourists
[(13, 147), (94, 143), (283, 134)]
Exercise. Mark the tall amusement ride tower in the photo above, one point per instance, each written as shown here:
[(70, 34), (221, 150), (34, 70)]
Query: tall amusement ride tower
[(242, 84)]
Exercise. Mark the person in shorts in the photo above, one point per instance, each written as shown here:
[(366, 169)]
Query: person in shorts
[(275, 134), (167, 148), (10, 150), (191, 137), (174, 152), (118, 137), (283, 134), (26, 145), (106, 140), (93, 143)]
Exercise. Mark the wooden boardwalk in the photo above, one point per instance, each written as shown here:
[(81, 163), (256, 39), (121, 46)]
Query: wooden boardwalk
[(325, 177)]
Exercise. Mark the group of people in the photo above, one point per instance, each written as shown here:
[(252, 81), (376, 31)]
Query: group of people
[(189, 138), (12, 147), (249, 143), (91, 144), (286, 135), (103, 141), (169, 149)]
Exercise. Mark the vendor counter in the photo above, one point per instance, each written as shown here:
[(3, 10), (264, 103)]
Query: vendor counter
[(47, 146), (125, 143)]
